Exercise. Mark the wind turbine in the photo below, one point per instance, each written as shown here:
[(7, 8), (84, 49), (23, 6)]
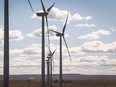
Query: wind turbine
[(43, 14), (6, 43), (49, 64), (61, 35)]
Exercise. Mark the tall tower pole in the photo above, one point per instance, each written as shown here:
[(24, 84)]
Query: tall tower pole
[(48, 74), (60, 61), (6, 44), (43, 50), (51, 72), (43, 54)]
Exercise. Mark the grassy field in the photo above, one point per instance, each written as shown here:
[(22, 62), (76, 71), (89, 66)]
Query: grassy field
[(25, 83)]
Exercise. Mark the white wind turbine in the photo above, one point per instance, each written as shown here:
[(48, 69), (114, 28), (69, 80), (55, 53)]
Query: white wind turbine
[(61, 35)]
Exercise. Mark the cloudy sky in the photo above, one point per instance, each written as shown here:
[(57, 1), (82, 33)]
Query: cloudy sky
[(90, 35)]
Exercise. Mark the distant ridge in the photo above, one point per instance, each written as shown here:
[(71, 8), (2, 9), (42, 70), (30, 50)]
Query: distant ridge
[(65, 77)]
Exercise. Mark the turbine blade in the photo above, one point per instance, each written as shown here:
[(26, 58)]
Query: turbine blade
[(49, 49), (67, 48), (54, 52), (48, 31), (30, 5), (43, 6), (52, 61), (55, 31), (65, 24), (48, 10)]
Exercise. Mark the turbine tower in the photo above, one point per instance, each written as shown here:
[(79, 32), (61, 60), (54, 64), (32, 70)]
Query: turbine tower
[(49, 66), (61, 35), (43, 14), (48, 70), (6, 43)]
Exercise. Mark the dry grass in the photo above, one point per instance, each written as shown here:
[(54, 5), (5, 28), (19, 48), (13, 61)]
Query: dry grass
[(24, 83)]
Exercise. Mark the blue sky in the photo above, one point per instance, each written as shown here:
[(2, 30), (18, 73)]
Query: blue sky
[(90, 34)]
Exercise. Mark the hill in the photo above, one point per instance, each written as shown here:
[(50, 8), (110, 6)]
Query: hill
[(65, 77)]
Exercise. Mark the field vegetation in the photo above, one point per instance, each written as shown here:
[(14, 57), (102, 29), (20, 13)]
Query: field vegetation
[(76, 83)]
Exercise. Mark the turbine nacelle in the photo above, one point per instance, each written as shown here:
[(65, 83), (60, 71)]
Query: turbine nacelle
[(59, 34), (47, 60), (49, 57), (42, 14), (50, 54)]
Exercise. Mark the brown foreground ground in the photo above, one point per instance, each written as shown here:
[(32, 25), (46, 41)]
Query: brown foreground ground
[(82, 83)]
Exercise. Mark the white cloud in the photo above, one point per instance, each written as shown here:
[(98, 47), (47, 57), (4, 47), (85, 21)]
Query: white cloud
[(55, 14), (89, 60), (97, 46), (13, 35), (113, 29), (33, 49), (1, 42), (77, 17), (16, 51), (94, 47), (95, 35), (84, 65), (1, 33), (87, 47), (1, 36), (1, 53), (88, 18), (37, 33), (90, 65), (86, 25), (25, 61), (76, 50), (25, 65), (58, 14)]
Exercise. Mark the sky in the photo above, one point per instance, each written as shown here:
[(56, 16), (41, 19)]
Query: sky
[(90, 35)]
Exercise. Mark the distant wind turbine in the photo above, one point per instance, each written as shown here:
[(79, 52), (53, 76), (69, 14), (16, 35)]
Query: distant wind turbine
[(6, 43), (49, 64), (61, 35), (43, 14)]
